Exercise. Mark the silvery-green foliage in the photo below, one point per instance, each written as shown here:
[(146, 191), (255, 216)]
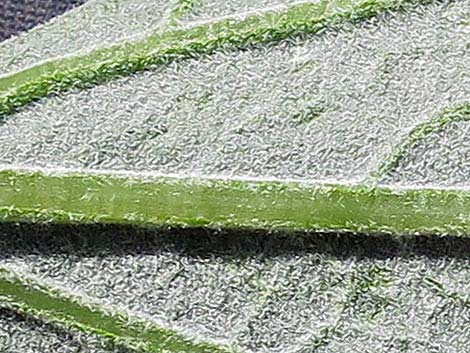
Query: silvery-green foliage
[(326, 107), (19, 333), (440, 159), (265, 292), (97, 23)]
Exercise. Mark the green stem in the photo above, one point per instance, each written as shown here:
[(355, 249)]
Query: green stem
[(418, 133), (45, 303), (76, 198), (161, 48)]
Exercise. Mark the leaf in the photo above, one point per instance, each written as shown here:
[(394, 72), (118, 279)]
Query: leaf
[(29, 298), (235, 114), (104, 23), (291, 119), (96, 24)]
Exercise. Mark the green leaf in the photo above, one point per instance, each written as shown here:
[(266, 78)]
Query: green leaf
[(239, 115), (138, 335), (266, 102)]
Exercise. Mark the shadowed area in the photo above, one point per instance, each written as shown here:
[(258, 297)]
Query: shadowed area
[(23, 239)]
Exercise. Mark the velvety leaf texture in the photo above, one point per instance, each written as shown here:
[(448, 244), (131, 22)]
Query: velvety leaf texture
[(237, 176)]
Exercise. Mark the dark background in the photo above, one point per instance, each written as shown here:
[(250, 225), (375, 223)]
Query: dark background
[(21, 15)]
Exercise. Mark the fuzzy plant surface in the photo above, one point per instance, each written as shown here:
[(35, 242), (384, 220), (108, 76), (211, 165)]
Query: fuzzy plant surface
[(295, 115), (243, 291), (174, 175)]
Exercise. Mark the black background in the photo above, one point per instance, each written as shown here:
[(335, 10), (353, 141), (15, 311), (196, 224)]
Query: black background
[(21, 15)]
